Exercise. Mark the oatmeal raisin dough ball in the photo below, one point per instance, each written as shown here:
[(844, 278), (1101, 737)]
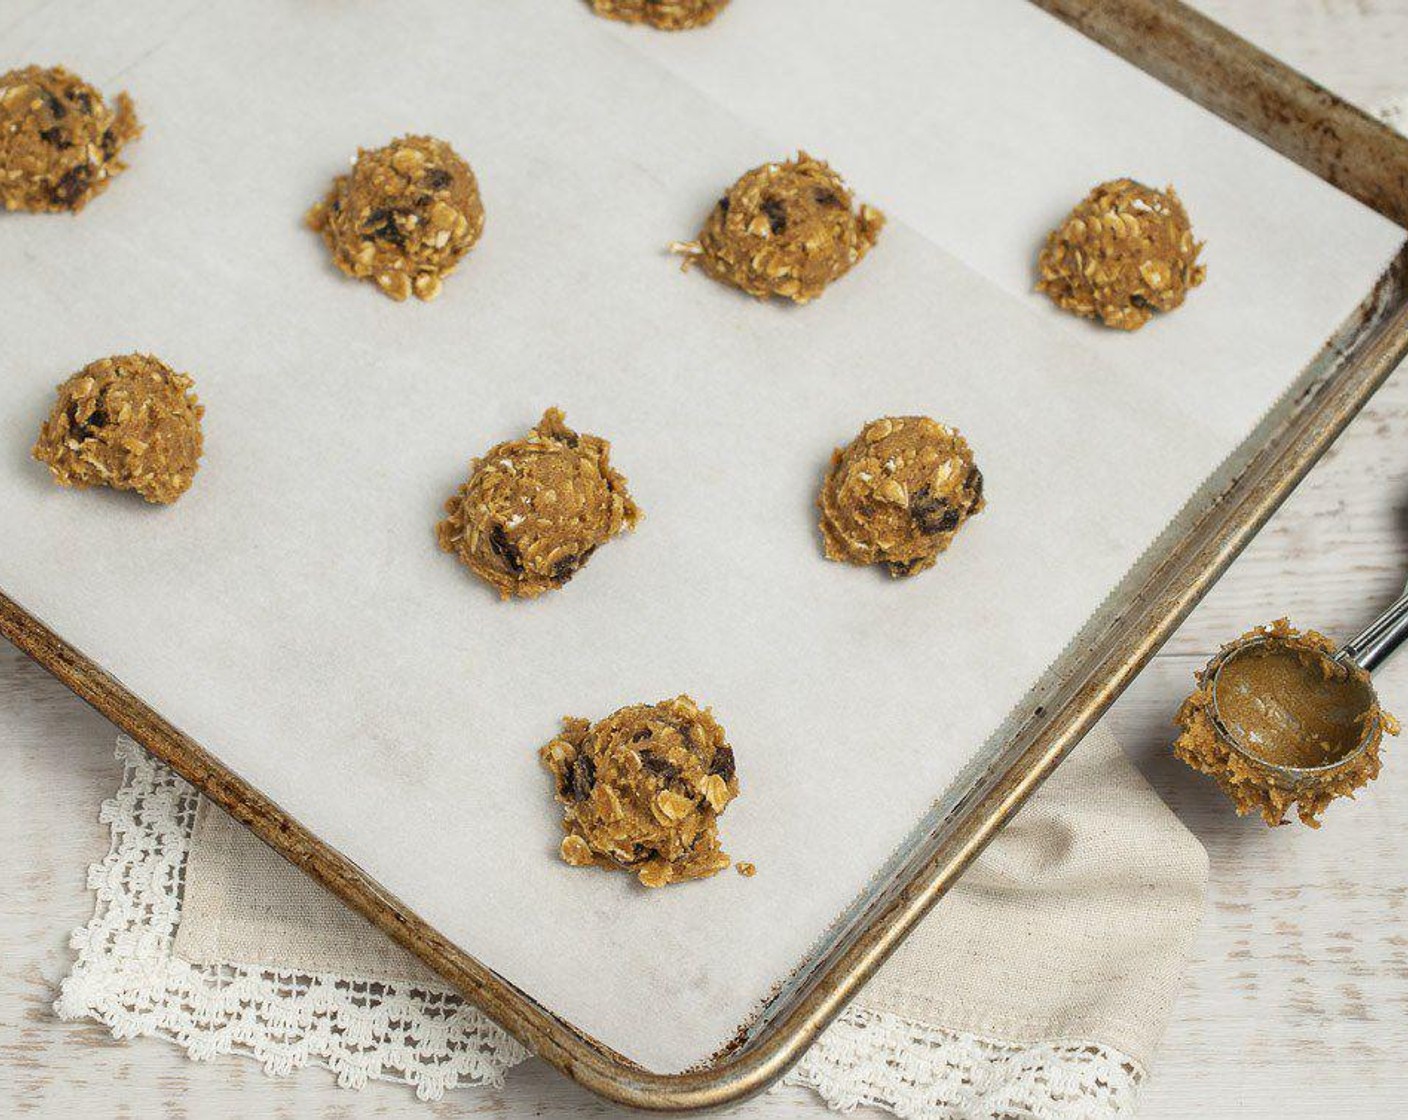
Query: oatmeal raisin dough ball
[(642, 790), (59, 140), (899, 494), (1122, 254), (785, 229), (535, 509), (405, 216), (129, 422), (668, 15)]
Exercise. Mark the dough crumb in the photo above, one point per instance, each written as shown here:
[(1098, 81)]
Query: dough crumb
[(667, 15), (898, 494), (59, 140), (1256, 788), (404, 217), (642, 790), (535, 509), (1122, 254), (130, 423), (784, 229), (747, 870)]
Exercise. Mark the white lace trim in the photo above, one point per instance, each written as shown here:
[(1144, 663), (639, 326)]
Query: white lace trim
[(429, 1038), (920, 1072), (127, 978)]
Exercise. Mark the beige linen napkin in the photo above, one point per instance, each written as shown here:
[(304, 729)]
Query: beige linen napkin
[(1040, 984)]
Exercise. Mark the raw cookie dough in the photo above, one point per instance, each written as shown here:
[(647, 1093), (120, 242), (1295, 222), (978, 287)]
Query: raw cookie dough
[(668, 15), (404, 216), (129, 422), (785, 229), (1123, 253), (898, 494), (535, 509), (642, 790), (1295, 707), (59, 140)]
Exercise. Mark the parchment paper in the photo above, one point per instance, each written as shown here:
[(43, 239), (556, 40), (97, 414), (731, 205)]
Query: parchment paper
[(292, 614)]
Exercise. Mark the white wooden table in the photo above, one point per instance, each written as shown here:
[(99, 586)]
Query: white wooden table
[(1297, 996)]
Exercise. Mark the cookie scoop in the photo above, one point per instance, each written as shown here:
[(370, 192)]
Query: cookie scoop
[(1280, 719)]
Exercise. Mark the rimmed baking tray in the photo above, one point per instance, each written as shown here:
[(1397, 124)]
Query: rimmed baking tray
[(1333, 140)]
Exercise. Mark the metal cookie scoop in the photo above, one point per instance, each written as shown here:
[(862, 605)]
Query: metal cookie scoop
[(1298, 713)]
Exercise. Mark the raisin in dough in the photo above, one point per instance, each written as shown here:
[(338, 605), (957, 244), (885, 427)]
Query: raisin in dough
[(1122, 254), (131, 423), (535, 509), (642, 790), (59, 140), (667, 15), (785, 229), (899, 494), (404, 217)]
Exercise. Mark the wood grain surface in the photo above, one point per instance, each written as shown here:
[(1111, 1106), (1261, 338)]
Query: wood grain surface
[(1297, 996)]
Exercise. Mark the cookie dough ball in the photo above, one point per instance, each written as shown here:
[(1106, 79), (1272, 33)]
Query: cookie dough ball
[(785, 229), (59, 140), (642, 790), (535, 509), (1125, 252), (405, 216), (668, 15), (898, 494), (129, 422)]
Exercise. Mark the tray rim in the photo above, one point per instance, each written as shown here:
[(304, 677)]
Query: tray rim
[(1257, 94)]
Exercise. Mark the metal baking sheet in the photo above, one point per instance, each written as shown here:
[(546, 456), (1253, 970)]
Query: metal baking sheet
[(291, 615)]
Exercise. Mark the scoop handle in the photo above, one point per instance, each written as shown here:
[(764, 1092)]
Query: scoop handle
[(1379, 639)]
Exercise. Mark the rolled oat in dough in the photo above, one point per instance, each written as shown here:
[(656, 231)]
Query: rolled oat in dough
[(59, 140), (535, 509), (130, 423), (785, 229), (642, 790), (1122, 254), (667, 15), (898, 494), (404, 216)]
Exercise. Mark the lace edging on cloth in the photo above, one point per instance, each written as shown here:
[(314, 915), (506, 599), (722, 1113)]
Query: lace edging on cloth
[(429, 1038), (917, 1071), (126, 977)]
